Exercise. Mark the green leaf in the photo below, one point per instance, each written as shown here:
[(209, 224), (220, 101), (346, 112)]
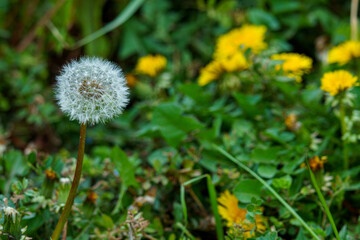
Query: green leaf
[(283, 6), (161, 157), (102, 151), (261, 17), (195, 92), (124, 166), (132, 33), (268, 155), (106, 222), (247, 189), (173, 126), (281, 137), (311, 98), (283, 182), (32, 157), (343, 232), (267, 171), (248, 104), (251, 217), (15, 164), (269, 236), (250, 207)]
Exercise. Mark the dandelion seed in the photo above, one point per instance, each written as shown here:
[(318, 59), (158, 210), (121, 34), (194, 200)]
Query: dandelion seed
[(91, 90)]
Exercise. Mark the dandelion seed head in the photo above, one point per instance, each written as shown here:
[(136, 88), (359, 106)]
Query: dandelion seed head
[(91, 90)]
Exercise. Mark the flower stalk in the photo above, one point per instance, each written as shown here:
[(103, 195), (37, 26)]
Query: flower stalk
[(323, 201), (11, 225), (343, 132), (72, 194), (353, 19)]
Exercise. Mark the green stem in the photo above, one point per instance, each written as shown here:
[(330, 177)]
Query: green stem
[(343, 131), (212, 196), (130, 10), (184, 230), (72, 194), (353, 19), (281, 200), (323, 202)]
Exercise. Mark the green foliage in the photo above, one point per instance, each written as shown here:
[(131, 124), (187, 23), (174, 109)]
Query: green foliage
[(143, 174), (247, 189), (174, 127)]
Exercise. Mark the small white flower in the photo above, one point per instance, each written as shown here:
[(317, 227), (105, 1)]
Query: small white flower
[(10, 212), (91, 90), (64, 181)]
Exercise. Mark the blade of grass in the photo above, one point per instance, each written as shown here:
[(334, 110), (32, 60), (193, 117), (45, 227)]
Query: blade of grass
[(120, 19), (323, 202), (212, 196), (184, 230), (281, 200)]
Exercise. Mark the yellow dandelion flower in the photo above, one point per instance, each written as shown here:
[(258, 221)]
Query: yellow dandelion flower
[(236, 62), (291, 122), (50, 174), (151, 65), (294, 65), (230, 211), (316, 163), (210, 73), (131, 79), (339, 54), (216, 68), (344, 52), (337, 81), (91, 197), (248, 36)]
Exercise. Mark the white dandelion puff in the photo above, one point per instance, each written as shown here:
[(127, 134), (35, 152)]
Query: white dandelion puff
[(91, 90)]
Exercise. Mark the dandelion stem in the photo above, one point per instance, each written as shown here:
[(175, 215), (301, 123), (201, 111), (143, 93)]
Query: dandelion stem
[(70, 200), (343, 131), (323, 202), (353, 19)]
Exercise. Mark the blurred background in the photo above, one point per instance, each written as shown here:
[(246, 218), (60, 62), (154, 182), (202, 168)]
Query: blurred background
[(38, 37)]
